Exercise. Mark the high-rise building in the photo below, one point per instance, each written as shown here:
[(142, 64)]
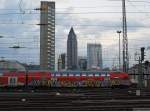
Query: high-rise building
[(72, 51), (62, 62), (47, 35), (59, 63), (94, 56), (82, 62)]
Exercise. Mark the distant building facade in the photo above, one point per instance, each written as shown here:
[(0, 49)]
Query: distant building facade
[(59, 63), (62, 62), (82, 63), (94, 56), (47, 35), (72, 52)]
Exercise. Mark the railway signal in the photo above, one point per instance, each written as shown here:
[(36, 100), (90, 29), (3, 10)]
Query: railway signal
[(142, 53)]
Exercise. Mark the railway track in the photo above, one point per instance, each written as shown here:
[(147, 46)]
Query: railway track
[(81, 100)]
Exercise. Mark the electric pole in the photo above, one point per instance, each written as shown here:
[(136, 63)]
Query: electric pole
[(125, 39), (119, 32)]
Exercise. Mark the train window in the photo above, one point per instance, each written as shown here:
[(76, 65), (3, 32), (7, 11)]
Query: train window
[(108, 75), (90, 75), (103, 74), (53, 75), (65, 75), (57, 75), (71, 75), (77, 75), (96, 75), (84, 74)]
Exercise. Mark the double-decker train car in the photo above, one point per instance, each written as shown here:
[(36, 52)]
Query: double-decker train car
[(64, 79)]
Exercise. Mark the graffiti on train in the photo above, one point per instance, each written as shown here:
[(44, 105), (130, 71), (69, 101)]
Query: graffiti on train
[(66, 83)]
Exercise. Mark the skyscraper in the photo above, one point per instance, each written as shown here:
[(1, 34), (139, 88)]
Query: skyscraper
[(62, 62), (63, 58), (82, 62), (94, 56), (72, 51), (59, 63), (47, 35)]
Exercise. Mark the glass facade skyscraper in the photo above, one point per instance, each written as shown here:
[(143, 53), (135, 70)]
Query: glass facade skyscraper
[(94, 56), (72, 53)]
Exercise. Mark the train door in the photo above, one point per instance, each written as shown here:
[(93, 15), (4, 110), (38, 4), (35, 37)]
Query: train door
[(12, 81), (106, 79)]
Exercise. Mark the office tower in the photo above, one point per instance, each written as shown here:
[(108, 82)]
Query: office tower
[(72, 51), (82, 62), (47, 35), (62, 62), (94, 56), (59, 63), (63, 58)]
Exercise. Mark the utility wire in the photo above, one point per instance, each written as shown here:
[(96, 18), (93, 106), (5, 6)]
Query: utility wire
[(94, 12), (131, 2), (108, 26)]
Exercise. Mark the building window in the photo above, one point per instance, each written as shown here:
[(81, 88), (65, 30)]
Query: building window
[(48, 47)]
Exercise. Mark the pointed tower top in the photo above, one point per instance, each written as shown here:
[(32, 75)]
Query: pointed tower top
[(71, 30), (72, 35)]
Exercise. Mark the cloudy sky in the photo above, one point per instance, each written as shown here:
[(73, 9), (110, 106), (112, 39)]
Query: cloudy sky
[(94, 21)]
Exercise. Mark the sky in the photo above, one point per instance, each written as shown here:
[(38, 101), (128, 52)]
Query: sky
[(94, 21)]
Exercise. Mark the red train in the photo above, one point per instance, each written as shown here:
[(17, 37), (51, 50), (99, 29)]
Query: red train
[(64, 79)]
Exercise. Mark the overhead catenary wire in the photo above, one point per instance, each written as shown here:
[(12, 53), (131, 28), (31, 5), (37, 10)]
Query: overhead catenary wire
[(108, 26), (94, 12), (131, 2), (140, 1), (81, 7)]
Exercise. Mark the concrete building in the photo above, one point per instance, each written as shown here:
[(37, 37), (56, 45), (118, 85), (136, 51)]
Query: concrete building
[(64, 61), (94, 56), (82, 63), (72, 51), (59, 63), (47, 35)]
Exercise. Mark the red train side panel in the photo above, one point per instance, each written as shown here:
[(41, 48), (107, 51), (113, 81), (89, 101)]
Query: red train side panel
[(48, 79)]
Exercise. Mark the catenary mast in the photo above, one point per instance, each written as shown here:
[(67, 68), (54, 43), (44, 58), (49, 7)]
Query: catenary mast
[(125, 39)]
